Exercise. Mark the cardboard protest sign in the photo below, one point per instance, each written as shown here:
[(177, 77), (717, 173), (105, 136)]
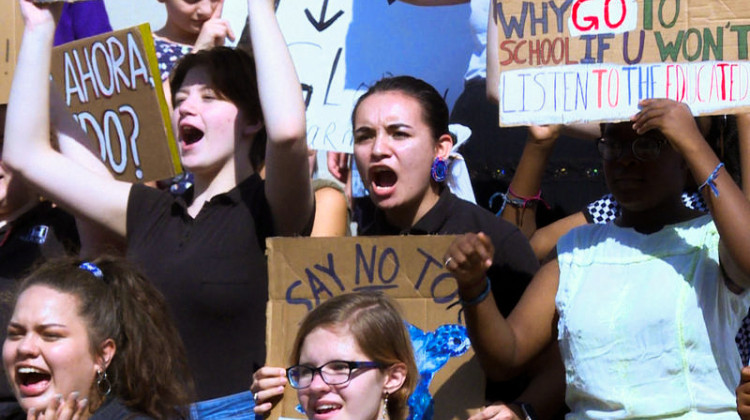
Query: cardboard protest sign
[(303, 272), (565, 61), (111, 84), (11, 31)]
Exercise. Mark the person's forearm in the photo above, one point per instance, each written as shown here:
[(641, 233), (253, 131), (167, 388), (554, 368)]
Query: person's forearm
[(544, 239), (27, 121), (73, 142), (743, 127), (524, 191), (527, 182), (727, 207), (492, 339), (278, 85), (493, 60), (287, 186), (546, 389)]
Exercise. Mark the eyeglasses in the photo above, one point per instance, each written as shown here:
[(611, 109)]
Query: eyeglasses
[(336, 372), (644, 148)]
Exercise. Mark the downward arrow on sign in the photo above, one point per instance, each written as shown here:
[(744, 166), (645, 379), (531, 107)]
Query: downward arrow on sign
[(322, 24)]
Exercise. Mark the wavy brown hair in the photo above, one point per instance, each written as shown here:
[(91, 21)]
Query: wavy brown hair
[(149, 371), (377, 327)]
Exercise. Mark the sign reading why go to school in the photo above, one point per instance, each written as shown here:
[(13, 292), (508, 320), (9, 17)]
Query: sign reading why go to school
[(566, 61)]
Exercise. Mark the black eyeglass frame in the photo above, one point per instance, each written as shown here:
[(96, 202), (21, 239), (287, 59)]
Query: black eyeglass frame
[(353, 365), (618, 149)]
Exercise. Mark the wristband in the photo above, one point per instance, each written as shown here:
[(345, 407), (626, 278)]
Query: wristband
[(482, 296), (710, 180)]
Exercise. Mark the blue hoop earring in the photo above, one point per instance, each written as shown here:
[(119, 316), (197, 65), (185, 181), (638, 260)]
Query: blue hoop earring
[(439, 168)]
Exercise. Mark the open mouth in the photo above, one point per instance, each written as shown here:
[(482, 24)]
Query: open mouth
[(32, 381), (190, 134), (383, 178), (323, 409)]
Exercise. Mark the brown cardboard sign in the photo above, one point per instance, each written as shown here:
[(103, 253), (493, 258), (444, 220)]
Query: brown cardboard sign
[(303, 272), (566, 61), (112, 86), (11, 31)]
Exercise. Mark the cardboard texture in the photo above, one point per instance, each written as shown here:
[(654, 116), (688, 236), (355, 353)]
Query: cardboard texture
[(306, 271), (565, 61), (11, 31), (112, 86)]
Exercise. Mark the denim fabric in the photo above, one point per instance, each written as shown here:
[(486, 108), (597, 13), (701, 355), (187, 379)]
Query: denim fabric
[(230, 407)]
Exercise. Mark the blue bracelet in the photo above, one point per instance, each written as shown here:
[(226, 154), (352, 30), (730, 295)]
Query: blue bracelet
[(482, 296), (711, 178), (507, 198)]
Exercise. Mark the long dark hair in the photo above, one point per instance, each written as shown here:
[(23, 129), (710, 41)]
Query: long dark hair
[(149, 371), (434, 109)]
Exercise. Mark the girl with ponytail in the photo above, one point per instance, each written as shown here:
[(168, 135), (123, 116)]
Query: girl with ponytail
[(94, 340)]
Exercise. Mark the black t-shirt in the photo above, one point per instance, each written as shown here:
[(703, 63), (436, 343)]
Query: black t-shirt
[(114, 409), (212, 271), (42, 233), (513, 266)]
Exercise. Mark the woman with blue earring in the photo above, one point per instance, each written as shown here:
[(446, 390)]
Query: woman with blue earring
[(439, 168), (402, 148)]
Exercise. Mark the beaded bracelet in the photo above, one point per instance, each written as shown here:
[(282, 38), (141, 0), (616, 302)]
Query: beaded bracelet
[(710, 180)]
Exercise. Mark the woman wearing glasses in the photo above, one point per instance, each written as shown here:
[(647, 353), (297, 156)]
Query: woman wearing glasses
[(645, 309), (352, 359)]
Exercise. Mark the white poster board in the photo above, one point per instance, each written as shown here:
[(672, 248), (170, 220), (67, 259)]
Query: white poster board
[(341, 46), (567, 61)]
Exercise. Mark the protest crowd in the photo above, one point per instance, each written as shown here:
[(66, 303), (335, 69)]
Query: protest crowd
[(598, 265)]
